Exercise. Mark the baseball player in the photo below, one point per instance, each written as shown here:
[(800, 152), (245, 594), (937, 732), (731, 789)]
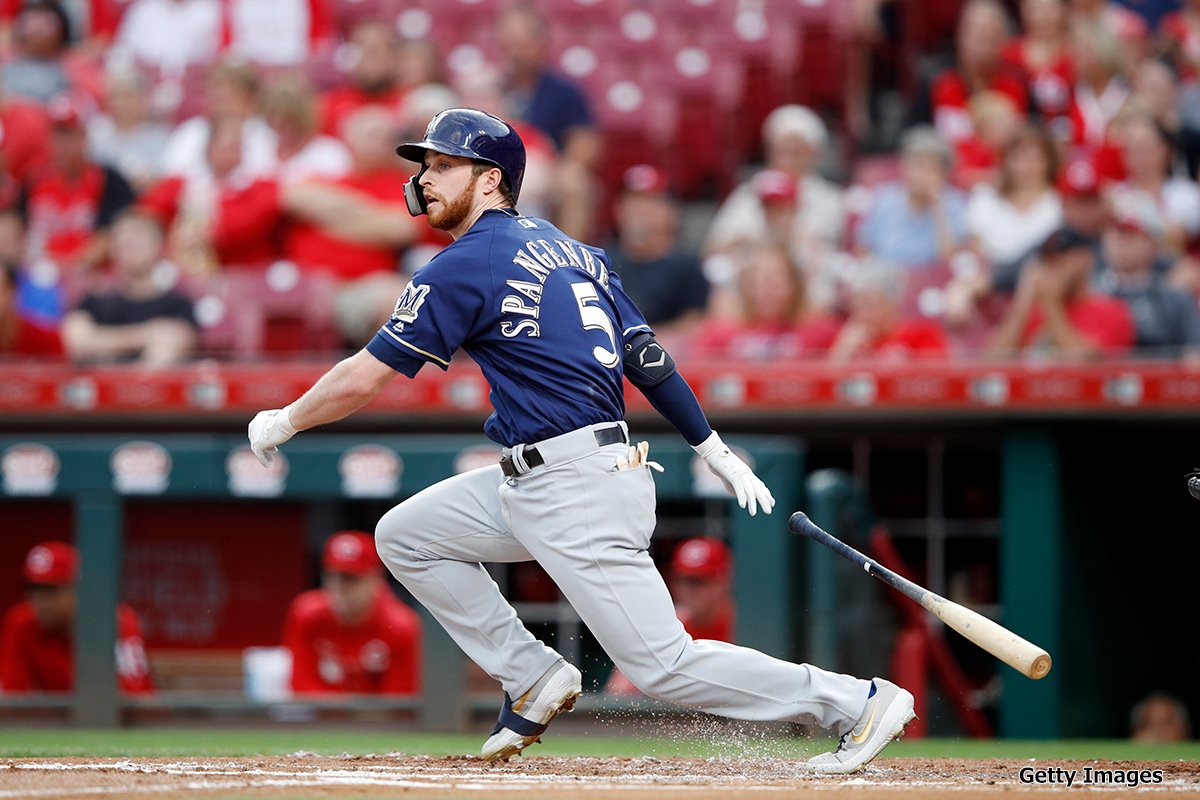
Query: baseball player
[(353, 634), (37, 646), (553, 332)]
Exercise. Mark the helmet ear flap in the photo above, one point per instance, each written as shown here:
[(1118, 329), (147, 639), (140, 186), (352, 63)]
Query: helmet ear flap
[(414, 196)]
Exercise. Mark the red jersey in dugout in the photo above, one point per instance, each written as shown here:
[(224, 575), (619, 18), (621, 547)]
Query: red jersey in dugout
[(380, 655), (33, 659)]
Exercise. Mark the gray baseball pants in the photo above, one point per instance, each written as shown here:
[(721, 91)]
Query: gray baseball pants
[(589, 526)]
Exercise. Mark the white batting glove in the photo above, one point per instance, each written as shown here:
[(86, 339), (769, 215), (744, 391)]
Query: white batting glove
[(268, 430), (739, 479)]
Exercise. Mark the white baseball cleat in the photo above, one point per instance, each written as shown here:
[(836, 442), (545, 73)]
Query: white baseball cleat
[(889, 709), (554, 693)]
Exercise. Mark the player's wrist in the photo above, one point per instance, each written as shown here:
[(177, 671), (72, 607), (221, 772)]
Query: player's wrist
[(710, 446), (283, 421)]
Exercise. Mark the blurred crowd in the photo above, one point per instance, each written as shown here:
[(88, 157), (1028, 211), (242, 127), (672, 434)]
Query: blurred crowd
[(216, 178)]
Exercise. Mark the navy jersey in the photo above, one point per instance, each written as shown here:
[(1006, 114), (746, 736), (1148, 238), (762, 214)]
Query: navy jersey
[(539, 312)]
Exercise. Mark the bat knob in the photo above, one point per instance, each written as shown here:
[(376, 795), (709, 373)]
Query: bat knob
[(1040, 666)]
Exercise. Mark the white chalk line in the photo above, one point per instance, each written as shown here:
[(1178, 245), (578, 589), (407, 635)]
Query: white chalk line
[(469, 779)]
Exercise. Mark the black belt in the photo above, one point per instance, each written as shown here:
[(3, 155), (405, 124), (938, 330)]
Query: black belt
[(533, 458)]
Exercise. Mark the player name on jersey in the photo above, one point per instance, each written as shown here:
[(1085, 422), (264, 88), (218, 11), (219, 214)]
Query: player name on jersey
[(538, 257)]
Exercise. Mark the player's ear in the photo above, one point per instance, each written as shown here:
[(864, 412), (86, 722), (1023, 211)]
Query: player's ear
[(492, 179)]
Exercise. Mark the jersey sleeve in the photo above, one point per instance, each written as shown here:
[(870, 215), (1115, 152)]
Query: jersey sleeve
[(632, 321), (434, 316)]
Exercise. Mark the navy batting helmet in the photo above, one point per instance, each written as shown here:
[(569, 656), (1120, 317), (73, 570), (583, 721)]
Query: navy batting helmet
[(468, 133)]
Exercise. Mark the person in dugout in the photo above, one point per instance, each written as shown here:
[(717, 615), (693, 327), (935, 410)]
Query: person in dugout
[(353, 634), (699, 579), (37, 642)]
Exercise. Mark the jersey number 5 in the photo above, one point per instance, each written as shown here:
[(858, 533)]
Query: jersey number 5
[(594, 318)]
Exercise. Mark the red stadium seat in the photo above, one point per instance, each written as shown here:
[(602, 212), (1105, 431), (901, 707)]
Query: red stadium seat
[(280, 310)]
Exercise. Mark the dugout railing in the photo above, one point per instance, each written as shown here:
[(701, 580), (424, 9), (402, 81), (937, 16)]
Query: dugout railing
[(100, 473)]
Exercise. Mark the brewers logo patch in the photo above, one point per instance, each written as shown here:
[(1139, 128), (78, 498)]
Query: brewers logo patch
[(408, 305)]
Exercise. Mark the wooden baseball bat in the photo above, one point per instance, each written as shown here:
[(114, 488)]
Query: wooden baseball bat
[(1021, 655)]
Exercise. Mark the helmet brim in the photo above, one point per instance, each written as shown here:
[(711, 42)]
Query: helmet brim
[(415, 151)]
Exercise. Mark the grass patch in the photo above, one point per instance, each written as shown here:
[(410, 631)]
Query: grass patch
[(206, 742)]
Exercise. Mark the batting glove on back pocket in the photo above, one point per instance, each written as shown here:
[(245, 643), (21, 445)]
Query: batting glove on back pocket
[(739, 479), (268, 430)]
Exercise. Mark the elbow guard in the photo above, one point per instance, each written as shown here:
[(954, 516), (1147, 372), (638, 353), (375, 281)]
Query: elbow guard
[(647, 364)]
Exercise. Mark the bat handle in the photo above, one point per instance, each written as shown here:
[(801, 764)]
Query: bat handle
[(800, 523)]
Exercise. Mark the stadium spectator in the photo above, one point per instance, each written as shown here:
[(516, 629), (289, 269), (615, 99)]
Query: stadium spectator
[(1008, 221), (359, 228), (19, 336), (1160, 717), (290, 109), (37, 648), (757, 210), (699, 577), (776, 319), (124, 136), (352, 634), (997, 121), (483, 87), (91, 22), (1042, 54), (1155, 88), (277, 33), (138, 320), (1180, 32), (876, 327), (1101, 89), (231, 96), (169, 36), (38, 72), (221, 216), (373, 78), (665, 283), (555, 106), (1136, 270), (1149, 161), (1056, 312), (979, 44), (71, 201), (1085, 210), (920, 220)]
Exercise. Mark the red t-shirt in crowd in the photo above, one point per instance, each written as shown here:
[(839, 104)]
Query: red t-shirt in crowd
[(730, 339), (245, 226), (33, 340), (64, 212), (382, 654), (339, 103), (26, 142), (913, 339), (1051, 86), (309, 245), (719, 629), (33, 659), (1103, 320), (950, 99)]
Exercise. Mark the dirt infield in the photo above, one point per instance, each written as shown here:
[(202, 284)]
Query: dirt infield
[(416, 777)]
